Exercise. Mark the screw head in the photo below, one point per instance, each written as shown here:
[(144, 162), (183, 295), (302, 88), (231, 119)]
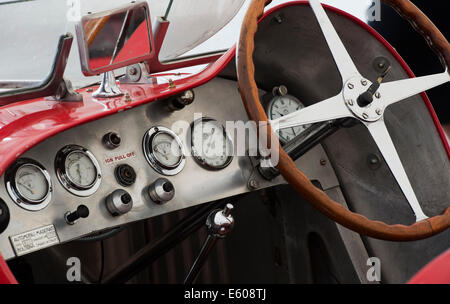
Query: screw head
[(351, 86), (133, 71), (323, 162), (364, 82), (378, 111), (253, 184), (350, 102), (365, 116), (377, 95)]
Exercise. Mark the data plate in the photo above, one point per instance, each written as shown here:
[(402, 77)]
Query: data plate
[(34, 240)]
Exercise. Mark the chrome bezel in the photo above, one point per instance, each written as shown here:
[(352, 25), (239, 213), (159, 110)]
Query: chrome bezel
[(14, 193), (153, 160), (269, 112), (64, 178), (198, 158)]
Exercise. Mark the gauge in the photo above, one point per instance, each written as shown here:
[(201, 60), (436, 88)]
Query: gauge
[(29, 184), (78, 170), (164, 151), (210, 144), (280, 106)]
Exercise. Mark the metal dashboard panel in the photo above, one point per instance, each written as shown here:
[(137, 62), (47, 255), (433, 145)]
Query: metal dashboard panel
[(194, 185)]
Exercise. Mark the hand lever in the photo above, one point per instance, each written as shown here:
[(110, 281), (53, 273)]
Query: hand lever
[(219, 223), (366, 98)]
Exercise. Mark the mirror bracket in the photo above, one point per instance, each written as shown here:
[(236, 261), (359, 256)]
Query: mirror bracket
[(65, 92), (108, 87), (138, 74)]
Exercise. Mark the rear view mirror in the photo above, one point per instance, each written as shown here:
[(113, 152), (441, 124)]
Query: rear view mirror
[(114, 39)]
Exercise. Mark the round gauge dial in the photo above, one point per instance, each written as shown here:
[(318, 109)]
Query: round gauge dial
[(164, 151), (280, 106), (78, 170), (210, 144), (29, 184)]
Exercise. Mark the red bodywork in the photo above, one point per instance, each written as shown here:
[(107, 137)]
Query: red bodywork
[(25, 124)]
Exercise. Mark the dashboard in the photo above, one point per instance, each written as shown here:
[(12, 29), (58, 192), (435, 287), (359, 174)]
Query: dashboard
[(133, 165)]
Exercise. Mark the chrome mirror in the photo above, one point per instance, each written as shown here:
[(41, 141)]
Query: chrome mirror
[(114, 39)]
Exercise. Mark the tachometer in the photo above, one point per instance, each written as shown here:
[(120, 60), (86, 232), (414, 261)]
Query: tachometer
[(164, 151), (78, 170), (29, 184), (281, 105), (210, 145)]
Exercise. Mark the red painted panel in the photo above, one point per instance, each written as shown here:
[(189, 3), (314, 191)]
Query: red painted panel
[(436, 272)]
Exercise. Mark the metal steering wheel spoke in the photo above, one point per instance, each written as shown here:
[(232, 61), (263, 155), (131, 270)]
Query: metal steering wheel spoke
[(384, 142), (329, 109), (342, 58), (395, 91)]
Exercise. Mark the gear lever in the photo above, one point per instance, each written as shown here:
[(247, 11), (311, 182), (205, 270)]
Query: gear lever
[(219, 224)]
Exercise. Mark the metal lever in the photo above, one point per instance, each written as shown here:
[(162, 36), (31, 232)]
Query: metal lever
[(219, 224)]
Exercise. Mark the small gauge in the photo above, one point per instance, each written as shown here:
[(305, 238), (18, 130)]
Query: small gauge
[(29, 184), (164, 151), (78, 170), (280, 106), (210, 144)]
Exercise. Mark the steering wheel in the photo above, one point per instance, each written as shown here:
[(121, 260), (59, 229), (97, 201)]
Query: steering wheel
[(353, 102)]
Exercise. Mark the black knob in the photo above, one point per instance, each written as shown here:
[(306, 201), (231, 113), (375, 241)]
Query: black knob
[(125, 175), (125, 198), (168, 186), (82, 211)]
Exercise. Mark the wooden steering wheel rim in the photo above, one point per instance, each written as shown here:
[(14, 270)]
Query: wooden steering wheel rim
[(335, 211)]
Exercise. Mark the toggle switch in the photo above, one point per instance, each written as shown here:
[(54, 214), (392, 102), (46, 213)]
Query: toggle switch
[(81, 212)]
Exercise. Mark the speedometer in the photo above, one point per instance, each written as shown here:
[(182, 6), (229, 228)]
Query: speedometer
[(210, 145), (280, 106)]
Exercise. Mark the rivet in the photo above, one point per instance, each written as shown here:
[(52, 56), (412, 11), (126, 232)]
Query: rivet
[(323, 162)]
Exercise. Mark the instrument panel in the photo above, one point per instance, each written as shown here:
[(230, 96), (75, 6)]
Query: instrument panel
[(133, 165)]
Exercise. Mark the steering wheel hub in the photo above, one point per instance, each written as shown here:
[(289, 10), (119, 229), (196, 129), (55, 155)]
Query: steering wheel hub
[(353, 88)]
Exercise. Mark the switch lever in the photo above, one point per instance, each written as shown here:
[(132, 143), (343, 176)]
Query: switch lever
[(219, 224), (71, 217)]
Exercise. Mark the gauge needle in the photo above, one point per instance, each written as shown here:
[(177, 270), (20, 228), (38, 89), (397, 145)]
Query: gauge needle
[(26, 187), (78, 170)]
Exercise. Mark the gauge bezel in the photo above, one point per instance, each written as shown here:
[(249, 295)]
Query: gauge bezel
[(269, 108), (14, 193), (197, 157), (64, 178), (153, 161)]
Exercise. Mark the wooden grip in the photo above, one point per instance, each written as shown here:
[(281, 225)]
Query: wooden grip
[(249, 93)]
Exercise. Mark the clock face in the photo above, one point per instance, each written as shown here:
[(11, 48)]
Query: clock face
[(280, 106)]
